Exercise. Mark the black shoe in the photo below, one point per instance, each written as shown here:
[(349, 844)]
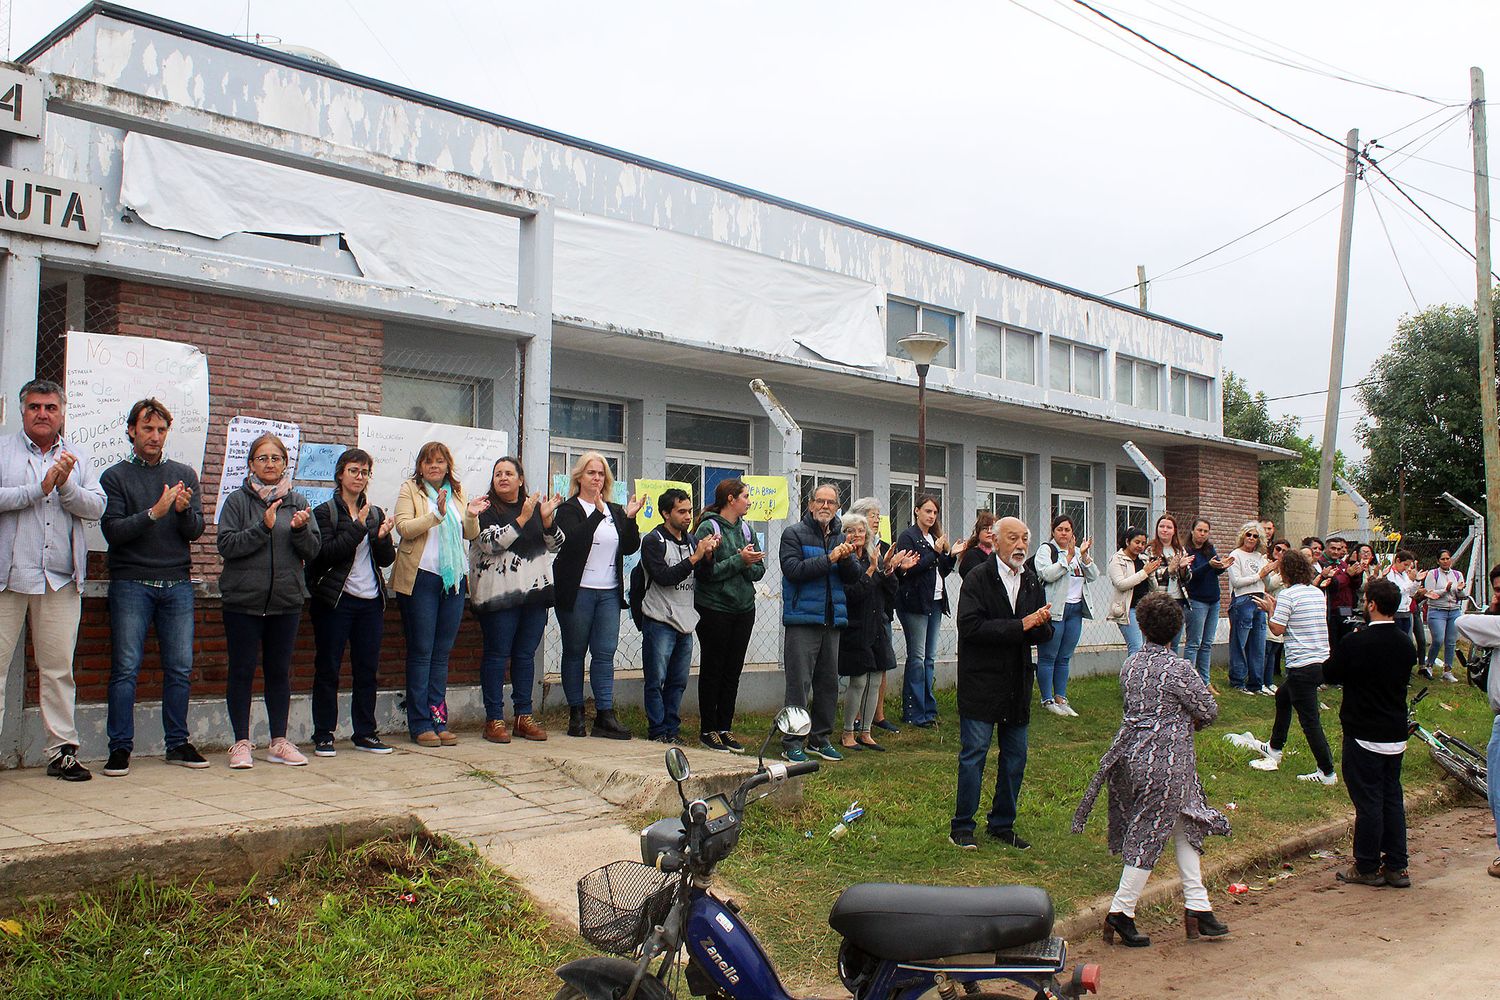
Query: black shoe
[(1012, 838), (371, 744), (1119, 923), (887, 725), (607, 726), (323, 747), (963, 841), (65, 765), (186, 755), (1203, 923), (1425, 672), (578, 723), (1396, 879), (730, 743), (713, 741), (118, 764), (926, 725)]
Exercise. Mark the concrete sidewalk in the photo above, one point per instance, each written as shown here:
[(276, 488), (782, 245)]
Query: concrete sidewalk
[(546, 812)]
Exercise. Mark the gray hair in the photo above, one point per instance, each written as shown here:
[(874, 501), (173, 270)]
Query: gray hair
[(872, 535), (865, 506), (42, 387)]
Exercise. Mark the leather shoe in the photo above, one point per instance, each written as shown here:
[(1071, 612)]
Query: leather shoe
[(609, 727), (528, 729), (1203, 923), (496, 732), (578, 723), (1119, 923), (428, 739), (446, 738)]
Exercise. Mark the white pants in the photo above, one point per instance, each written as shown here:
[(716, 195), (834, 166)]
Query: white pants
[(1189, 863), (54, 633)]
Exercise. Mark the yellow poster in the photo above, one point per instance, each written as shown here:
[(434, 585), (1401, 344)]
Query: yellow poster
[(649, 489), (885, 529), (770, 498)]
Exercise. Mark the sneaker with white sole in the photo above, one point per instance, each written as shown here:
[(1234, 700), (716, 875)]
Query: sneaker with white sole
[(1066, 706), (1448, 676), (1319, 777), (283, 751), (240, 758), (1246, 741), (1055, 708)]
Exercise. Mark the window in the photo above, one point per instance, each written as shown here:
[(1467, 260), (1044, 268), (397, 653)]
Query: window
[(1132, 500), (704, 450), (1073, 493), (1073, 367), (429, 398), (1002, 483), (829, 457), (582, 425), (1006, 353), (1190, 395), (905, 318), (904, 482), (1137, 383)]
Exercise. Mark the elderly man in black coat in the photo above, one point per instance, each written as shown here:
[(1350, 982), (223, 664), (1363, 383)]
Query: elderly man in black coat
[(1002, 614)]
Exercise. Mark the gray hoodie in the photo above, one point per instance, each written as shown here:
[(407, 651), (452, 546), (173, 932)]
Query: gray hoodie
[(263, 572), (1484, 630)]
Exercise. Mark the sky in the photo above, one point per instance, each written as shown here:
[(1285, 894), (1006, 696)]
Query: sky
[(1026, 132)]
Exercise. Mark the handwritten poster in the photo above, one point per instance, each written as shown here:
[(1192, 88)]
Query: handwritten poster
[(317, 461), (242, 431), (649, 517), (393, 443), (770, 497)]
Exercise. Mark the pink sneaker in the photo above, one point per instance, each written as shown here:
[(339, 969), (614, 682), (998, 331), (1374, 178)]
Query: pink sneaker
[(282, 751), (239, 756)]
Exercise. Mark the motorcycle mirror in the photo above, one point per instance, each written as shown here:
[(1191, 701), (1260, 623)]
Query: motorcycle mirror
[(677, 765), (794, 721)]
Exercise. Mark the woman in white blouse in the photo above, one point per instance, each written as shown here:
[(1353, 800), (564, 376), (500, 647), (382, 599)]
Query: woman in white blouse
[(1248, 569)]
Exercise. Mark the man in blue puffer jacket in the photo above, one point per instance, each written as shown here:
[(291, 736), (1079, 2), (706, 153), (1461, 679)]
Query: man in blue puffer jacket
[(814, 567)]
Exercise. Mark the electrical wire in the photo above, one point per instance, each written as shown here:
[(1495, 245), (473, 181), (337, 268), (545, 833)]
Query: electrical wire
[(1392, 244), (1235, 260), (371, 31)]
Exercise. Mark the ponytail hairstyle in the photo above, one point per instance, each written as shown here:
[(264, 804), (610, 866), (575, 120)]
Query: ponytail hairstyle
[(726, 491)]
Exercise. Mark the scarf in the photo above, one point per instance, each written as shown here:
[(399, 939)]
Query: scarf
[(269, 493), (453, 563)]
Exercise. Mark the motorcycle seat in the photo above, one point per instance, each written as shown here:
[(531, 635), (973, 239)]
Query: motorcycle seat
[(908, 923)]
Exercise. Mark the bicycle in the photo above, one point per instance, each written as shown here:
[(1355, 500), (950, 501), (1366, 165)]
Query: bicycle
[(1452, 754)]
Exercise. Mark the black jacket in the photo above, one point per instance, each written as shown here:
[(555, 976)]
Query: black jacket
[(1374, 665), (339, 535), (995, 667), (578, 530), (973, 558), (914, 594), (860, 642)]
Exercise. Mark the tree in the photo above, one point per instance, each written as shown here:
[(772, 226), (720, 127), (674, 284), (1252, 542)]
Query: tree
[(1248, 418), (1422, 427)]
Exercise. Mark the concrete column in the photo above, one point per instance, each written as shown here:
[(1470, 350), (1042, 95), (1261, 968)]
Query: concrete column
[(534, 293)]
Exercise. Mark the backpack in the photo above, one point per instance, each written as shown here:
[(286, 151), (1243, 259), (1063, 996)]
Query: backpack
[(1030, 563), (639, 581)]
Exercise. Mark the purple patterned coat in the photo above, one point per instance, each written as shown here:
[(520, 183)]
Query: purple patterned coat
[(1151, 767)]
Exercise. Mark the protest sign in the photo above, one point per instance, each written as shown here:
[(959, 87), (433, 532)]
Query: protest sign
[(770, 497), (649, 490), (393, 443), (241, 431)]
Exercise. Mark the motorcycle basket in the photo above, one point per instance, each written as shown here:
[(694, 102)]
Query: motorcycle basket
[(619, 904)]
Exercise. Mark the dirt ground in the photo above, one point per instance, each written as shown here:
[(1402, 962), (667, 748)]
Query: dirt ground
[(1310, 936)]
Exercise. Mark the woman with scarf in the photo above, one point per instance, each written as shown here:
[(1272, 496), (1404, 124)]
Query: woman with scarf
[(510, 586), (429, 579), (266, 531), (979, 546), (1152, 773)]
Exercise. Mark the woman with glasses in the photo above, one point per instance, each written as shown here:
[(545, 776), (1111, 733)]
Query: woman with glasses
[(266, 530), (348, 603), (1248, 569)]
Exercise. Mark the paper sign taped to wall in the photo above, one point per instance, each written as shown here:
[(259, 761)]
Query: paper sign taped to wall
[(316, 495), (560, 484), (107, 375), (650, 489), (393, 443), (770, 497), (242, 431), (885, 528), (318, 461)]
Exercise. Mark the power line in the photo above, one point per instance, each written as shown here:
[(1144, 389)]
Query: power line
[(1235, 260), (371, 31), (1391, 243)]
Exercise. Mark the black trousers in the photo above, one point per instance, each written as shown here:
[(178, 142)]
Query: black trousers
[(266, 641), (723, 638), (357, 623), (1300, 691), (1374, 783)]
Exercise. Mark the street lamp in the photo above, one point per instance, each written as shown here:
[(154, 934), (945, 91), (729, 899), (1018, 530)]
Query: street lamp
[(922, 347)]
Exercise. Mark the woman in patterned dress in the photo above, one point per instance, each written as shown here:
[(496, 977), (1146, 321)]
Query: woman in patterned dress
[(1152, 771)]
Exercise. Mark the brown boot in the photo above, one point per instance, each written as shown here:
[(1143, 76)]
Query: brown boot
[(528, 729), (495, 731)]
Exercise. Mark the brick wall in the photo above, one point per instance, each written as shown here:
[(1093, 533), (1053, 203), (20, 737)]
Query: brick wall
[(316, 368), (1218, 484)]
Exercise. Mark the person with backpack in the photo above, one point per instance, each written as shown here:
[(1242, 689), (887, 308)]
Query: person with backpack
[(725, 600), (671, 562), (1065, 567)]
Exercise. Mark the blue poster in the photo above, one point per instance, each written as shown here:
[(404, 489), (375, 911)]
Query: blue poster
[(317, 461), (560, 484), (620, 496)]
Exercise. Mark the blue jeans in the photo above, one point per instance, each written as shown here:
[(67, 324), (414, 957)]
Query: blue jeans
[(359, 623), (1055, 656), (510, 635), (918, 703), (430, 617), (1444, 633), (1202, 626), (1247, 644), (974, 746), (1131, 632), (667, 657), (133, 608), (592, 627), (1494, 769)]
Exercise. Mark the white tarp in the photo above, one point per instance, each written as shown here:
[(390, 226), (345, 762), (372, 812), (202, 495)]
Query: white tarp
[(604, 271), (393, 443), (107, 375)]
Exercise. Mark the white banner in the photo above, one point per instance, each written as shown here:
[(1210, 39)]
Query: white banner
[(243, 430), (107, 375), (393, 443)]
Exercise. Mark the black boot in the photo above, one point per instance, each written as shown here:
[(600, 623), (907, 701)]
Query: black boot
[(1203, 923), (1119, 923), (578, 723), (609, 727)]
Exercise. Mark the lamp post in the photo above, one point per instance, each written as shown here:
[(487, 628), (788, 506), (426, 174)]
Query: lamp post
[(922, 347)]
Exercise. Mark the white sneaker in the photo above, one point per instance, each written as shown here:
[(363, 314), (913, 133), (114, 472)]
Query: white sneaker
[(1245, 741), (1319, 777), (1069, 709), (1269, 689), (1055, 708), (1448, 676)]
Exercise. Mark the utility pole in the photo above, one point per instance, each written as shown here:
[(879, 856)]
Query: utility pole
[(1340, 320), (1486, 311), (1140, 283)]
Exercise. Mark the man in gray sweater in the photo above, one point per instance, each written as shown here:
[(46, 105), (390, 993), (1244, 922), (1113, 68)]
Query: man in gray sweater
[(1484, 631), (153, 511), (670, 557)]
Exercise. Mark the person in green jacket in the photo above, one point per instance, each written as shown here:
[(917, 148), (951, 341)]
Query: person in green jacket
[(725, 600)]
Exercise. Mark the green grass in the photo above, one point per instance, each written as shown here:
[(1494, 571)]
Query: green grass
[(339, 929), (788, 880)]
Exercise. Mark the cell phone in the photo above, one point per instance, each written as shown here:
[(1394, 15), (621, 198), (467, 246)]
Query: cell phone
[(361, 500)]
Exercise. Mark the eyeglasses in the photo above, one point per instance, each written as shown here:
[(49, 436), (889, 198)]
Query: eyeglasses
[(357, 473), (268, 460), (823, 503)]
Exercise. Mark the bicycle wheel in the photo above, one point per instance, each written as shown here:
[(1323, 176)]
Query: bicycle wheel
[(1472, 776)]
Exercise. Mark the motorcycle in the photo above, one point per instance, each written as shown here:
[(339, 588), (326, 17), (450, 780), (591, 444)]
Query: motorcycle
[(900, 942)]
